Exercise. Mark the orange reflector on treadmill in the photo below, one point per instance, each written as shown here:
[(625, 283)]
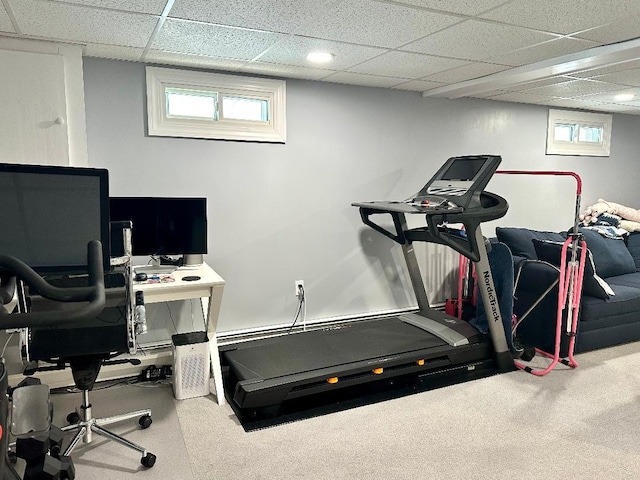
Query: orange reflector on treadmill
[(378, 371), (420, 362), (332, 380)]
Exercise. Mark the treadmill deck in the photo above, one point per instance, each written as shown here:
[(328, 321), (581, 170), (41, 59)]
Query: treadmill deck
[(271, 371), (318, 349)]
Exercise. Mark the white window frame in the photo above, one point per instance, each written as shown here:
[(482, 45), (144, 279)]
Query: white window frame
[(585, 119), (160, 124)]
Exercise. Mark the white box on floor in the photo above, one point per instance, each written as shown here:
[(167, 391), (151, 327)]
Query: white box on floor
[(191, 365)]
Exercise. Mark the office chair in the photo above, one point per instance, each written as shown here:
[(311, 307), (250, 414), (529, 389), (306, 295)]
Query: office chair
[(85, 349), (38, 442)]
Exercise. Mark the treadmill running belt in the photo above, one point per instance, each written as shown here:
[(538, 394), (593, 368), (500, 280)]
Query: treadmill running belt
[(317, 349)]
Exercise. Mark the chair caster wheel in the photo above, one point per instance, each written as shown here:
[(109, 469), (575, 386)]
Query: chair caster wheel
[(73, 418), (145, 421), (149, 460)]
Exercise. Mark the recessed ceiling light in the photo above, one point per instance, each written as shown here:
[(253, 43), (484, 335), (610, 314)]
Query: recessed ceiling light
[(320, 57), (624, 97)]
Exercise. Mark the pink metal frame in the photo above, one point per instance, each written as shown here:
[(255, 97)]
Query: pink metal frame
[(569, 284)]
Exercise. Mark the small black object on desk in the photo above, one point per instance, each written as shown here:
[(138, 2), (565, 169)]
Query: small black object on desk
[(141, 277), (191, 278)]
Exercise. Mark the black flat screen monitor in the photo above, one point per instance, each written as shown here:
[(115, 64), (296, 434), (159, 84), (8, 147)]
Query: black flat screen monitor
[(48, 214), (163, 226)]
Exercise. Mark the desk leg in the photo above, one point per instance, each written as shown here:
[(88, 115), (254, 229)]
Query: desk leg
[(216, 370), (210, 308)]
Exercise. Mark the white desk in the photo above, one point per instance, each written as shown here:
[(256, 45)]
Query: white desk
[(209, 290)]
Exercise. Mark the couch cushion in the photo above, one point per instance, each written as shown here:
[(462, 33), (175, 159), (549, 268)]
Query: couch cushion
[(592, 284), (610, 255), (619, 309), (519, 240), (633, 245)]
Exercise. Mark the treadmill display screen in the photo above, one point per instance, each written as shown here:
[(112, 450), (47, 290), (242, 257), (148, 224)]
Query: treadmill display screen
[(464, 169)]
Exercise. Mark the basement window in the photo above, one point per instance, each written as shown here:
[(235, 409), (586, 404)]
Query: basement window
[(578, 133), (210, 105)]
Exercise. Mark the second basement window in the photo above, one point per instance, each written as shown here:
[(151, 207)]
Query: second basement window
[(578, 133), (209, 105)]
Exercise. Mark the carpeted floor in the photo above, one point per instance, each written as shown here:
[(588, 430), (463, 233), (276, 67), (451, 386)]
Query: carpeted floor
[(582, 423)]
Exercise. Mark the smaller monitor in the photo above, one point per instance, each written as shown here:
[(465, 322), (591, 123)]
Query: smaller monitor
[(164, 226)]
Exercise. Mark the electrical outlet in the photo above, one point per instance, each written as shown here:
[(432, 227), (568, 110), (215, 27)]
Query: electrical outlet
[(299, 287)]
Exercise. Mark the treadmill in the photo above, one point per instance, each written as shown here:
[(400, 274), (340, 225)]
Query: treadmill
[(267, 373)]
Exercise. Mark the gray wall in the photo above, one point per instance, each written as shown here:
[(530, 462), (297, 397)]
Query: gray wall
[(279, 213)]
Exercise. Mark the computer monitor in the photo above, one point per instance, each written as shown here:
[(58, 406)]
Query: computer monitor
[(48, 215), (164, 226)]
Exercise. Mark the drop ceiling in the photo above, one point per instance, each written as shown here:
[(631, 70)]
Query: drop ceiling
[(563, 53)]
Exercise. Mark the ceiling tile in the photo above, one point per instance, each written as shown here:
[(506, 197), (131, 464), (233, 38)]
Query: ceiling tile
[(627, 77), (406, 65), (186, 60), (217, 41), (622, 29), (287, 71), (537, 83), (417, 85), (618, 67), (608, 97), (5, 21), (80, 24), (377, 24), (464, 7), (293, 51), (153, 7), (543, 51), (282, 16), (570, 103), (113, 52), (477, 40), (627, 109), (574, 88), (492, 93), (566, 16), (520, 97), (361, 79), (466, 72)]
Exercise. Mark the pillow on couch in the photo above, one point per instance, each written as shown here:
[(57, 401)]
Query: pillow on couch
[(519, 240), (610, 255), (633, 245), (592, 284)]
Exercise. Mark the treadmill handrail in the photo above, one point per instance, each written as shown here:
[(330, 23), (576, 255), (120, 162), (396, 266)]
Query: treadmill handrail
[(491, 207), (93, 295)]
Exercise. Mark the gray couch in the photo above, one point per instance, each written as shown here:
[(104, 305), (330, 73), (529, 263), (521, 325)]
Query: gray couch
[(609, 311)]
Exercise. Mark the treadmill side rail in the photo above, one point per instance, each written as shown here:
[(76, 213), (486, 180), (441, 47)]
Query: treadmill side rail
[(450, 336)]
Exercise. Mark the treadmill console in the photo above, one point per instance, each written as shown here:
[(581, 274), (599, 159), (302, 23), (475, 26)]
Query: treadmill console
[(455, 194), (459, 182)]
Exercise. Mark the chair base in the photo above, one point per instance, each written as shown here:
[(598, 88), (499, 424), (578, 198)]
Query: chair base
[(83, 421)]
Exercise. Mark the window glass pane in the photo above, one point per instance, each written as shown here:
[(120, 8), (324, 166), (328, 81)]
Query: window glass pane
[(564, 132), (237, 108), (590, 134), (184, 104)]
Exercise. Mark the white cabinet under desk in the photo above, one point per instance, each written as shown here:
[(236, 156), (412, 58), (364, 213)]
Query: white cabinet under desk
[(207, 289)]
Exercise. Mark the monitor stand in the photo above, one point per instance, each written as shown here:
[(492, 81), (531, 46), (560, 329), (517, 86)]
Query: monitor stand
[(193, 260)]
